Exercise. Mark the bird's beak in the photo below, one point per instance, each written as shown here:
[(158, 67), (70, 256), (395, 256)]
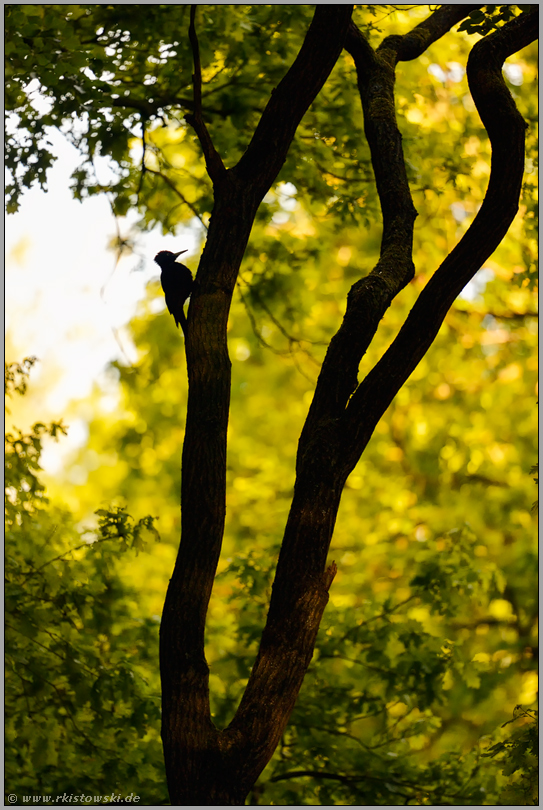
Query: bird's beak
[(179, 254)]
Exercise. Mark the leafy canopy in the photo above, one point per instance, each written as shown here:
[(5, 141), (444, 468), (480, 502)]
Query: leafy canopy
[(428, 642)]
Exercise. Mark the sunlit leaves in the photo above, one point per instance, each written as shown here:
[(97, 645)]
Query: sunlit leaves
[(488, 18), (432, 617), (78, 707), (518, 755), (116, 524), (16, 375)]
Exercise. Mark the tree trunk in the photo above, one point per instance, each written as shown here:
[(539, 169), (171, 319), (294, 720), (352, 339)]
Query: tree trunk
[(205, 765)]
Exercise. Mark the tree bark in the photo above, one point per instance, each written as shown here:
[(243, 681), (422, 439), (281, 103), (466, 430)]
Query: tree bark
[(203, 764)]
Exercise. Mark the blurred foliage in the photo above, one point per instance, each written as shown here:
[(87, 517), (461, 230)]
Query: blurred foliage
[(82, 698), (16, 374), (519, 755), (429, 641)]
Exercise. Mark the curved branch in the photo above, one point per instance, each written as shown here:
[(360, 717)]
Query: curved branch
[(337, 438), (370, 297), (415, 42), (506, 131), (147, 108)]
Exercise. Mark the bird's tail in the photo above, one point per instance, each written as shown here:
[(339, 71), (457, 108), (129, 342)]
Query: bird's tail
[(181, 320)]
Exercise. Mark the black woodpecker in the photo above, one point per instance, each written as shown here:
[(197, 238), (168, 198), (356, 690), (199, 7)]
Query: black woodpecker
[(176, 280)]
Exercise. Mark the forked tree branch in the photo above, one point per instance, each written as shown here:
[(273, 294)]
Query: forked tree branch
[(370, 297), (506, 130), (337, 438), (193, 747)]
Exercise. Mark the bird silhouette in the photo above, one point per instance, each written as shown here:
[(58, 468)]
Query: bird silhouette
[(177, 281)]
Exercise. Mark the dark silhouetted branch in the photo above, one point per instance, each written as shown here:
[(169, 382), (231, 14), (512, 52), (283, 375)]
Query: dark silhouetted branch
[(506, 130), (214, 164), (415, 42)]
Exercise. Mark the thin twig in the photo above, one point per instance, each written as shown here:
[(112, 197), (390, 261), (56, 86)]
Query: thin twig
[(292, 341), (33, 571), (352, 779), (255, 329), (281, 328), (142, 175), (387, 612), (48, 649), (121, 243), (174, 188)]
